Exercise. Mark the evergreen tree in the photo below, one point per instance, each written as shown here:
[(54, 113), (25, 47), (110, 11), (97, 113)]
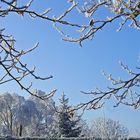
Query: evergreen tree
[(67, 121)]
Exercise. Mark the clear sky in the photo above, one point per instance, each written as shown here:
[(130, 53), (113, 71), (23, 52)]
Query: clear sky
[(74, 68)]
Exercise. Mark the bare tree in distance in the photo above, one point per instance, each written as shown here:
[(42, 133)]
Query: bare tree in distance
[(106, 128), (127, 11)]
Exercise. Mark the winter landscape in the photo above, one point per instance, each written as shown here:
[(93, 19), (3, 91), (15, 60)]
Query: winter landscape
[(69, 70)]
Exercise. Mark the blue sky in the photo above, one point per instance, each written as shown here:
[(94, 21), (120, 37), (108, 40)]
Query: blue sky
[(75, 68)]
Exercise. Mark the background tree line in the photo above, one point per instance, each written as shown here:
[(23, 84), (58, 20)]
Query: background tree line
[(22, 117)]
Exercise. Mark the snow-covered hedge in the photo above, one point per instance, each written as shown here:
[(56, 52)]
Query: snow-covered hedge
[(10, 138), (28, 138)]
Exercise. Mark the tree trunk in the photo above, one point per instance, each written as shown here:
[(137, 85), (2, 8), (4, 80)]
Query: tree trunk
[(20, 130)]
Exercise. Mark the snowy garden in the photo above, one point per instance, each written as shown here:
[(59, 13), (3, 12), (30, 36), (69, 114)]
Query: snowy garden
[(34, 119), (37, 116)]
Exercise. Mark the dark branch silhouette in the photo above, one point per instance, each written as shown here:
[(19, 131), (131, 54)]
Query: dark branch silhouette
[(124, 91), (126, 11)]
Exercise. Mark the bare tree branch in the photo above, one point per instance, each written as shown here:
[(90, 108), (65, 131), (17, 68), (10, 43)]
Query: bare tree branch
[(14, 69), (119, 9), (128, 11), (124, 91)]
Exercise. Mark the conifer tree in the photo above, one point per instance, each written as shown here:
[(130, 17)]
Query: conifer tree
[(67, 123)]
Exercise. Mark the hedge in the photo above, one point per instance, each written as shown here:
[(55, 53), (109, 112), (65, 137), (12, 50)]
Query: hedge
[(29, 138)]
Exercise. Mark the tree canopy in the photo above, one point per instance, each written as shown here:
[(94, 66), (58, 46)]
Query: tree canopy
[(126, 12)]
